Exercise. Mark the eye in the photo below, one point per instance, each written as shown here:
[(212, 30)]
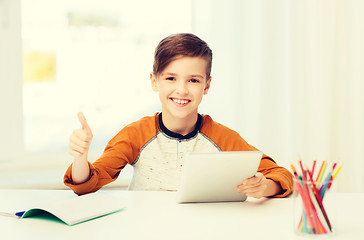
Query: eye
[(194, 80), (170, 78)]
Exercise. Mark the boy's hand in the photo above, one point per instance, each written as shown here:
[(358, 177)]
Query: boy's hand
[(255, 186), (80, 139)]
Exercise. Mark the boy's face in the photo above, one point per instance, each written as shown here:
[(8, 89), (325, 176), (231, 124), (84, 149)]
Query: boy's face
[(181, 86)]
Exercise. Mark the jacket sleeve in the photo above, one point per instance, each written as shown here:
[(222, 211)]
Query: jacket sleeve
[(106, 169), (91, 185), (121, 150), (278, 174)]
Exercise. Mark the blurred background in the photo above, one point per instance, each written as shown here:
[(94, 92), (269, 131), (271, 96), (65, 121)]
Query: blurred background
[(287, 75)]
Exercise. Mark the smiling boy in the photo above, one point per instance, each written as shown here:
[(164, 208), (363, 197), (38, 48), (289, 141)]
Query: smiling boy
[(156, 145), (181, 86)]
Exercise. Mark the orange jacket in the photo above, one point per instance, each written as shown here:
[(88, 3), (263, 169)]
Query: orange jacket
[(157, 155)]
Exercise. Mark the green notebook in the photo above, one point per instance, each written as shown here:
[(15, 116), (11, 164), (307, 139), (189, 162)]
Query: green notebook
[(75, 210)]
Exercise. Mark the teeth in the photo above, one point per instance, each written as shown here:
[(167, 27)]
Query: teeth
[(180, 101)]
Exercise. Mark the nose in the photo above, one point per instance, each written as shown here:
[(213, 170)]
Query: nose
[(182, 88)]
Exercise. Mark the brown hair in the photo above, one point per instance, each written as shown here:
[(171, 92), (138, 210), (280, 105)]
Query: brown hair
[(181, 44)]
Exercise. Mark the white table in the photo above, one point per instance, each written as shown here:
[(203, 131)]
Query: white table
[(156, 215)]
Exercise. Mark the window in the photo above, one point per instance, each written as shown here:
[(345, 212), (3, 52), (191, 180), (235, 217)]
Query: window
[(94, 57)]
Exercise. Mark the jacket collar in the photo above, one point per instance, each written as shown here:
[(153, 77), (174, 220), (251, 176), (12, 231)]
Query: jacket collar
[(177, 135)]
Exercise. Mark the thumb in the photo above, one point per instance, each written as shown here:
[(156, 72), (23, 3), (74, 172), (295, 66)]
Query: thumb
[(83, 121), (259, 175)]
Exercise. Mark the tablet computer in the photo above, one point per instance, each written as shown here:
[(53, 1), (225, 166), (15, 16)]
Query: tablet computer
[(214, 177)]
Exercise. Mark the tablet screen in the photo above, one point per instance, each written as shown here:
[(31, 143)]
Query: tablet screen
[(214, 177)]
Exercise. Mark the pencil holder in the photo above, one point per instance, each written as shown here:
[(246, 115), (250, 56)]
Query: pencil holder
[(314, 208)]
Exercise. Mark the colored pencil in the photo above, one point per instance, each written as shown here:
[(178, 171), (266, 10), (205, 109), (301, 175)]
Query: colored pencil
[(313, 166), (324, 186), (318, 198), (305, 204), (321, 173), (336, 172)]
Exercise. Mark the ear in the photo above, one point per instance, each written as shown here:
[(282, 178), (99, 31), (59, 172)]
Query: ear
[(207, 86), (153, 81)]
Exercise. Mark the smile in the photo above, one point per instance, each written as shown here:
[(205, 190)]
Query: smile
[(180, 101)]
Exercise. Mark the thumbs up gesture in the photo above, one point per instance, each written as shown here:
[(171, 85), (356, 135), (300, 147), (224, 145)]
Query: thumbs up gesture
[(80, 139)]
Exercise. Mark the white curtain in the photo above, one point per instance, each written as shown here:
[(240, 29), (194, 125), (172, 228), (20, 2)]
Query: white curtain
[(11, 128), (289, 77)]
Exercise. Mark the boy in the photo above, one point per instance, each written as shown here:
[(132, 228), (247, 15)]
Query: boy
[(156, 145)]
